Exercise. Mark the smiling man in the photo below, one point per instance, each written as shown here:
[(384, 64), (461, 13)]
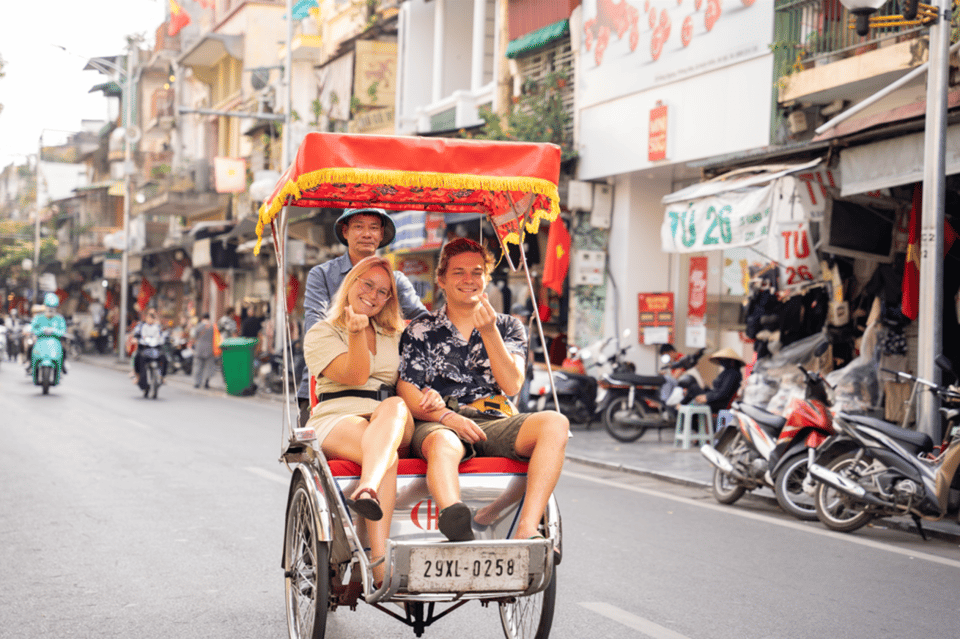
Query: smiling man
[(362, 231), (475, 357)]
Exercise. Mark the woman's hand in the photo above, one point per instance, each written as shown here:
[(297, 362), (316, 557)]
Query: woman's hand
[(356, 322), (431, 400)]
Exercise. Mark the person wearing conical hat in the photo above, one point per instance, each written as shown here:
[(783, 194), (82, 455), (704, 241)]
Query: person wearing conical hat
[(726, 384)]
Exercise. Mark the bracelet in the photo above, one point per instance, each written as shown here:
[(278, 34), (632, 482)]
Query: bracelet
[(449, 412)]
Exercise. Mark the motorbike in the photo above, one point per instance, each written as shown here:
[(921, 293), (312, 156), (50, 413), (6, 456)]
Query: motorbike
[(46, 359), (73, 340), (640, 402), (270, 371), (756, 448), (581, 397), (877, 469), (102, 337), (179, 355), (150, 352)]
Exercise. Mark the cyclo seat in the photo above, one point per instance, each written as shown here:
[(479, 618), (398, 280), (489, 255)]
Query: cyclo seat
[(910, 439), (771, 422)]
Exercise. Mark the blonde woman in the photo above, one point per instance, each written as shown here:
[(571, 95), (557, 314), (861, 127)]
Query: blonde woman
[(354, 355)]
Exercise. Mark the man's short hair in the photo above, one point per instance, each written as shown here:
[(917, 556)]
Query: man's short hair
[(459, 246)]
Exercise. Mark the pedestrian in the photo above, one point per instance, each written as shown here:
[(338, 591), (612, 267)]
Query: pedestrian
[(204, 360), (362, 231), (227, 324), (475, 357), (353, 353)]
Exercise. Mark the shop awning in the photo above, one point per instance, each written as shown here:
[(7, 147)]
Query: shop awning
[(539, 38), (766, 207), (210, 48), (892, 162)]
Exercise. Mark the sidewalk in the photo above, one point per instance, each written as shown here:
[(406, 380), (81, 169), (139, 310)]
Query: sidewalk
[(594, 446), (648, 456)]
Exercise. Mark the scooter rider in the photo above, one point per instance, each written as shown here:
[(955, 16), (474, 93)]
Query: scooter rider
[(50, 323), (149, 333)]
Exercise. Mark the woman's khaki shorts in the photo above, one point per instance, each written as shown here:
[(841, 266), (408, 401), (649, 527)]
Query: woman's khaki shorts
[(501, 435)]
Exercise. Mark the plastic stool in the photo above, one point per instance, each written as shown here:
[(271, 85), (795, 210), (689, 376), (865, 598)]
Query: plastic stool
[(687, 415)]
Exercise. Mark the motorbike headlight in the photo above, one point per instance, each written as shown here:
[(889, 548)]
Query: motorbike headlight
[(664, 359)]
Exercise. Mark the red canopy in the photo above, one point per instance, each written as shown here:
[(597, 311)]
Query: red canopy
[(513, 183)]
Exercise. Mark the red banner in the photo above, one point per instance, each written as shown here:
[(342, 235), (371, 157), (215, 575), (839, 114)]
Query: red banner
[(697, 291)]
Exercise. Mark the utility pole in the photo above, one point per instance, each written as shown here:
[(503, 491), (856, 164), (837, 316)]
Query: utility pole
[(930, 335), (127, 173)]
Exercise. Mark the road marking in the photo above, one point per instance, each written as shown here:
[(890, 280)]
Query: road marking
[(647, 627), (266, 474), (137, 424), (771, 520)]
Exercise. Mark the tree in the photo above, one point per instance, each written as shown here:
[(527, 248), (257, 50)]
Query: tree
[(538, 115)]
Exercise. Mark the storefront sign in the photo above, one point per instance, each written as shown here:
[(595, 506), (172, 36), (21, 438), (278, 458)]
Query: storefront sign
[(417, 231), (419, 270), (655, 318), (657, 134)]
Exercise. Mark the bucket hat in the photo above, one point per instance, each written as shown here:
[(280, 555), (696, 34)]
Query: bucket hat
[(389, 229), (727, 353)]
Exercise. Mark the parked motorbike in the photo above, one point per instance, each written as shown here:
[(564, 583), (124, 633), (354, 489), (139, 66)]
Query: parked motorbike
[(581, 398), (73, 341), (757, 448), (878, 469), (640, 403), (46, 358), (179, 355)]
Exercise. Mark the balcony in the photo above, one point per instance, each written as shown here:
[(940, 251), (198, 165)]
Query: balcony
[(821, 65)]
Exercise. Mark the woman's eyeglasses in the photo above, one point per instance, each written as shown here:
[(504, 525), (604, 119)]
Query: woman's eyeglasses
[(369, 288)]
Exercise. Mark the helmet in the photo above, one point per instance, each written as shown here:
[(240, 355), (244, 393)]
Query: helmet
[(51, 300)]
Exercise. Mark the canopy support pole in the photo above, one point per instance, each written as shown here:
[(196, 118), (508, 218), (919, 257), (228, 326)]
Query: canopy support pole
[(533, 299)]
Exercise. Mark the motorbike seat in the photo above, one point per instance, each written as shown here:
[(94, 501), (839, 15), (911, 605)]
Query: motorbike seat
[(771, 422), (637, 380), (910, 439)]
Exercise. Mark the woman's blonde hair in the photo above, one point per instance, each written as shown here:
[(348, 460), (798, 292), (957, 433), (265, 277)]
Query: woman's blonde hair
[(388, 319)]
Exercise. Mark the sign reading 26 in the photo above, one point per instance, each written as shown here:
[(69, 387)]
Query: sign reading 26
[(717, 221)]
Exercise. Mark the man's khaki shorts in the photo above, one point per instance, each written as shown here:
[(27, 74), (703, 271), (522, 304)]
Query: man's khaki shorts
[(501, 435)]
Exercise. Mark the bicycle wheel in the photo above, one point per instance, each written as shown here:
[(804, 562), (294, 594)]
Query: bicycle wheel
[(530, 617), (617, 418), (306, 564)]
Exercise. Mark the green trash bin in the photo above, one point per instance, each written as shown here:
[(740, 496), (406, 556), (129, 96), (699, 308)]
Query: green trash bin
[(237, 357)]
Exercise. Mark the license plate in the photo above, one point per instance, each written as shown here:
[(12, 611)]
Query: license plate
[(468, 569)]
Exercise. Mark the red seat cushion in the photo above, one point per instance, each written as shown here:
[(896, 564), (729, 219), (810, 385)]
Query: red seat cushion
[(477, 465)]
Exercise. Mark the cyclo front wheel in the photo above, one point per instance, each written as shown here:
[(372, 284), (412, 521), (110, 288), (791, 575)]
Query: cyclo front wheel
[(306, 564), (530, 617)]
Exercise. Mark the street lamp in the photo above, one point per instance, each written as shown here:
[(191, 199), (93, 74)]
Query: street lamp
[(930, 329)]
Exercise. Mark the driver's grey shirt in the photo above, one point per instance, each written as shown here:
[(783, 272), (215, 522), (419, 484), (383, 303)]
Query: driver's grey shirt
[(323, 282)]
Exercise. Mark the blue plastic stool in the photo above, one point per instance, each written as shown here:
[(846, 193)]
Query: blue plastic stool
[(687, 418)]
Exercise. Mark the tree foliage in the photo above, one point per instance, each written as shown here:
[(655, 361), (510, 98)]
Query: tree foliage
[(537, 115), (16, 245)]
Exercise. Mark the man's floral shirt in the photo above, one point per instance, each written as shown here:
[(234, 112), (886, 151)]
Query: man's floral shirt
[(433, 354)]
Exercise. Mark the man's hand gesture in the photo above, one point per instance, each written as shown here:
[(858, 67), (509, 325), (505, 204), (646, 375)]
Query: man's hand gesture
[(484, 317), (356, 322)]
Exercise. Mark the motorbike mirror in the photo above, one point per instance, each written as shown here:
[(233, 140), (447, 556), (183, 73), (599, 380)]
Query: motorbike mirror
[(943, 362), (584, 354)]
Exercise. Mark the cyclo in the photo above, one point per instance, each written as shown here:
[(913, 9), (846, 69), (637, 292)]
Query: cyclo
[(324, 560)]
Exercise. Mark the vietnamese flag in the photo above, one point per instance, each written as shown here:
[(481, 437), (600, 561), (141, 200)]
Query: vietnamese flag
[(910, 303), (558, 256), (146, 292), (178, 19), (219, 281), (293, 290)]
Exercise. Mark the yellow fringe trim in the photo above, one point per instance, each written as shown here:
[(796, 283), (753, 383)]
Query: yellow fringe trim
[(411, 179)]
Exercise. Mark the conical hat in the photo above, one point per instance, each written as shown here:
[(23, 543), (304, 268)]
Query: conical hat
[(727, 353)]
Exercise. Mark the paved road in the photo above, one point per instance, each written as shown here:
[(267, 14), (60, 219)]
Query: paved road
[(126, 517)]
